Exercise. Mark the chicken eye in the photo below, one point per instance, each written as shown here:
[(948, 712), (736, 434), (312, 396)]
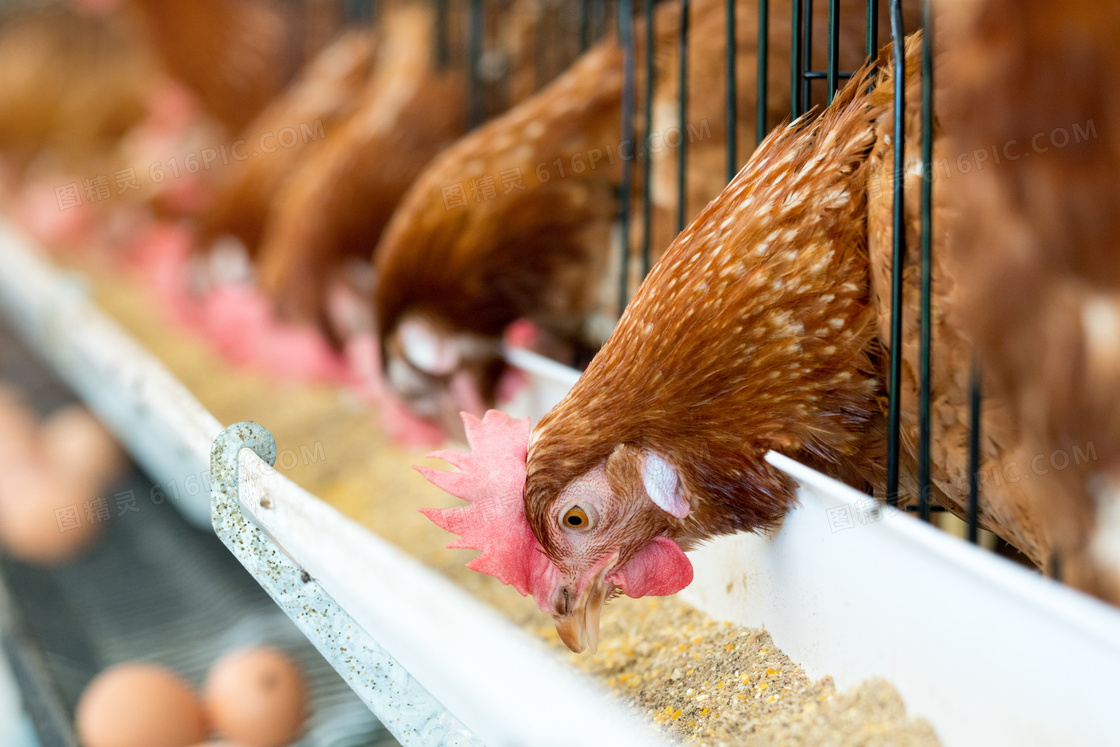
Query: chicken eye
[(575, 518)]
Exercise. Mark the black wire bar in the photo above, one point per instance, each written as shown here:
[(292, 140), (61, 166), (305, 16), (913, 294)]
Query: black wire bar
[(872, 43), (898, 254), (584, 25), (974, 393), (626, 39), (443, 42), (476, 111), (806, 57), (796, 64), (647, 156), (732, 95), (925, 363), (762, 126), (833, 48), (682, 83)]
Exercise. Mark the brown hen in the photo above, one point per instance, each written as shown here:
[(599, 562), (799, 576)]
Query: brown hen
[(72, 86), (1005, 507), (237, 55), (336, 203), (1033, 114), (316, 103)]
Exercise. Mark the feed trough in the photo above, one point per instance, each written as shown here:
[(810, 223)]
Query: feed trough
[(846, 588)]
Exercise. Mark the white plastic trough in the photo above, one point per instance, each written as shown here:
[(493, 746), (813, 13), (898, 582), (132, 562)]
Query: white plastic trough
[(990, 653)]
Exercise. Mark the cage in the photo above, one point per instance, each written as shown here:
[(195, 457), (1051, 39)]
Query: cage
[(847, 604)]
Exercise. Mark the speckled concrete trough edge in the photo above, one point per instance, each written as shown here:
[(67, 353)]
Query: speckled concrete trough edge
[(432, 663), (399, 701), (988, 652)]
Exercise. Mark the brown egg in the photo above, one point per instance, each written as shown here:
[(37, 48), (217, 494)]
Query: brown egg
[(139, 705), (75, 441), (256, 696), (45, 516)]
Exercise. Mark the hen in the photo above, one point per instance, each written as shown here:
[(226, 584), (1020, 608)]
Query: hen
[(1005, 508), (237, 55), (335, 205), (1033, 116), (753, 332), (515, 220), (319, 100), (72, 86), (453, 273)]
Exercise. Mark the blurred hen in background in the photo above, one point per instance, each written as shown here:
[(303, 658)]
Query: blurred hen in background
[(334, 206), (327, 219), (322, 96), (1005, 508), (1033, 110), (73, 85), (237, 55)]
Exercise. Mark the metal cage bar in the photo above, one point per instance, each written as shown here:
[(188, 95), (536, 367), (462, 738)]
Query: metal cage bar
[(647, 157), (796, 66), (926, 344), (443, 41), (806, 57), (872, 42), (761, 124), (682, 119), (974, 394), (626, 39), (833, 47), (898, 255), (584, 25), (476, 111), (732, 97)]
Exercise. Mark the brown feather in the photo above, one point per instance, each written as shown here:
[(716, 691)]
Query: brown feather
[(334, 205), (752, 333), (1035, 83), (324, 94)]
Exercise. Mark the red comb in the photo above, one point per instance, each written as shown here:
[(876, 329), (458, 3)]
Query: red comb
[(491, 478)]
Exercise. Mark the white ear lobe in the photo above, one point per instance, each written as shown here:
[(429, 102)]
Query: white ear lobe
[(427, 349), (663, 485)]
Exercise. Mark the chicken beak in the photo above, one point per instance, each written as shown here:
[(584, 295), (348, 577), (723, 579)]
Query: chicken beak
[(579, 629)]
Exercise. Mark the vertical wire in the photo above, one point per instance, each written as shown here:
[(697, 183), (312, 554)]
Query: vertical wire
[(761, 126), (476, 110), (872, 28), (833, 48), (807, 58), (358, 12), (443, 52), (599, 19), (682, 152), (795, 61), (626, 38), (974, 392), (584, 22), (647, 155), (925, 364), (732, 97), (898, 255)]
